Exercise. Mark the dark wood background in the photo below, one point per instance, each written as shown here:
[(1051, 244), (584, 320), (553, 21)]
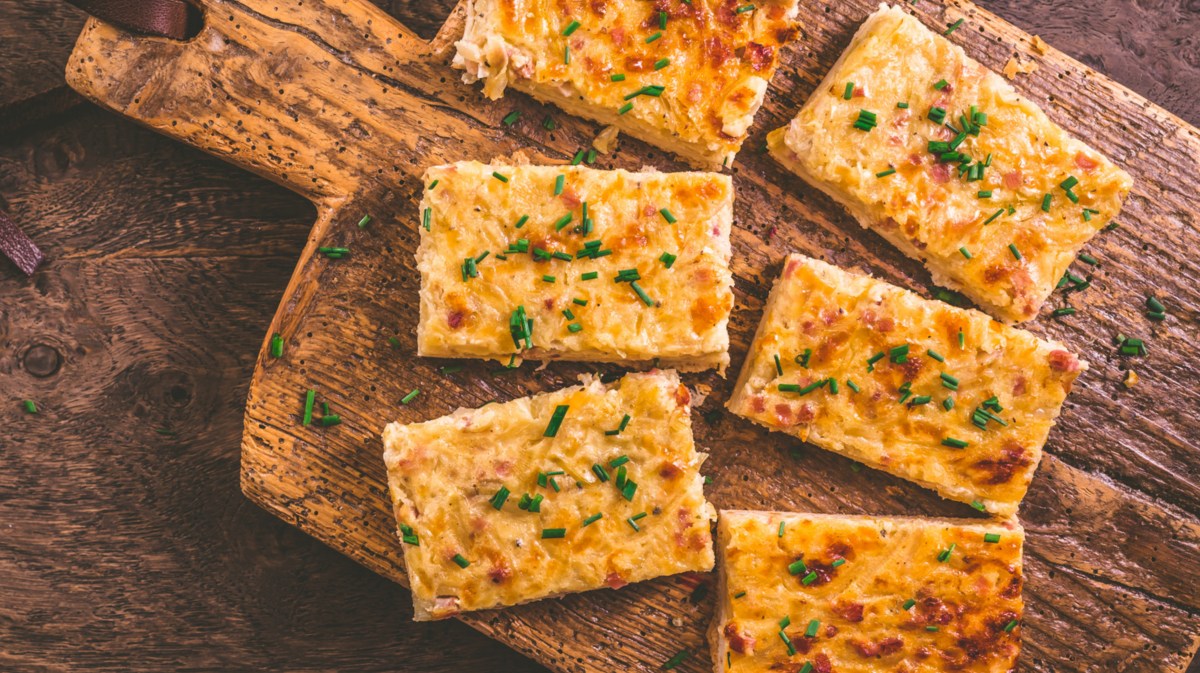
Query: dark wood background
[(124, 541)]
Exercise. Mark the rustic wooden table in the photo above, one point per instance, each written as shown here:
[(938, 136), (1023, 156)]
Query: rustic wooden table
[(124, 541)]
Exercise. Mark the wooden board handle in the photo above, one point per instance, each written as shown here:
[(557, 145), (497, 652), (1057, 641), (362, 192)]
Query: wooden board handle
[(300, 96)]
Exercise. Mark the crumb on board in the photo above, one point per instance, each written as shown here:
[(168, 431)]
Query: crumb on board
[(1039, 45), (1015, 67), (1131, 379), (606, 139)]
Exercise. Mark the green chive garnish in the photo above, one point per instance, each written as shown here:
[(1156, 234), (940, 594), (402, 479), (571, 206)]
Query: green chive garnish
[(978, 505), (909, 603), (744, 8), (548, 278), (590, 275), (811, 631), (625, 108), (592, 519), (558, 184), (853, 386), (809, 579), (782, 525), (902, 105), (666, 214), (500, 176), (991, 538), (1060, 312), (965, 253), (653, 37), (676, 660), (461, 561), (1008, 628), (563, 221), (276, 345), (941, 84), (310, 398), (935, 355), (662, 63), (985, 194), (366, 219), (1012, 247), (667, 259), (511, 118), (30, 406), (849, 93), (948, 403), (944, 555), (996, 214), (571, 27), (1046, 202), (499, 498), (641, 293), (560, 412), (618, 77), (884, 174), (954, 443), (554, 533), (410, 396), (954, 26)]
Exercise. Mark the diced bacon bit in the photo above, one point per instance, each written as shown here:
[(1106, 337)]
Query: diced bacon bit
[(1064, 361), (673, 8), (695, 92), (717, 51), (802, 643), (1086, 163), (821, 663), (839, 550), (1014, 179), (649, 210), (445, 606), (739, 640), (669, 470), (726, 13), (455, 319), (912, 367), (548, 302), (758, 404), (502, 468), (1001, 470), (831, 631), (996, 273), (639, 63), (683, 396), (760, 56), (614, 580), (940, 172), (616, 34), (570, 198), (882, 324), (784, 416), (931, 610), (500, 573), (600, 8), (1020, 386), (883, 648), (851, 612), (1014, 586), (687, 534), (923, 652), (793, 265)]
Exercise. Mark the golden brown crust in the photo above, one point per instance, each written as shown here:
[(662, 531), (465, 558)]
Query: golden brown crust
[(930, 206), (470, 211), (854, 576), (718, 61), (899, 420), (443, 476)]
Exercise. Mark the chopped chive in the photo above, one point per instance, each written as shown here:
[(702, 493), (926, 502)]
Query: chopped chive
[(600, 472), (948, 403), (935, 355), (500, 176), (566, 54), (410, 396), (579, 302), (902, 105), (954, 26), (653, 37), (662, 63), (740, 594), (978, 505), (575, 161), (620, 460), (853, 386), (1046, 202), (625, 108), (1084, 257), (618, 77), (331, 419), (807, 667), (811, 631), (833, 386), (461, 561), (499, 498), (991, 538), (884, 174), (676, 660), (592, 519), (837, 563), (666, 214), (944, 555), (554, 533), (1155, 305), (1060, 312), (366, 219), (795, 567), (559, 182), (571, 27), (548, 278), (920, 400), (954, 443), (948, 379), (641, 293), (744, 8), (809, 579), (931, 628), (662, 20), (796, 388), (803, 358), (30, 406), (782, 525), (1069, 183), (909, 603), (1008, 628), (965, 253), (568, 314), (941, 84), (310, 397), (276, 345), (936, 114), (393, 342), (560, 412), (629, 489), (849, 93), (563, 221), (667, 259), (511, 118), (984, 194), (962, 339), (590, 275), (1012, 247), (996, 214), (434, 184)]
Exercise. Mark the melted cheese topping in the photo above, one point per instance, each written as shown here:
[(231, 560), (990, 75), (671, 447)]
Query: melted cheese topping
[(863, 625), (470, 211), (926, 208), (842, 320), (717, 63), (444, 474)]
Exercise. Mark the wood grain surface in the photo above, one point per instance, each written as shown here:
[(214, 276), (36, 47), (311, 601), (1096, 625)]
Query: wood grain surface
[(174, 302)]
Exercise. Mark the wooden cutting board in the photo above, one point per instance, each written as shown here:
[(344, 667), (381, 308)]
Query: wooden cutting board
[(338, 102)]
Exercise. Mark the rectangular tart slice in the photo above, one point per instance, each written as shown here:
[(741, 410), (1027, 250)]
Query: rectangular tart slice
[(571, 263), (942, 396), (860, 594), (685, 75), (942, 157), (587, 487)]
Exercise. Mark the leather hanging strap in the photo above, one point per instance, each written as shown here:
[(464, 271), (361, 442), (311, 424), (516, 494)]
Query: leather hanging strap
[(175, 19)]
